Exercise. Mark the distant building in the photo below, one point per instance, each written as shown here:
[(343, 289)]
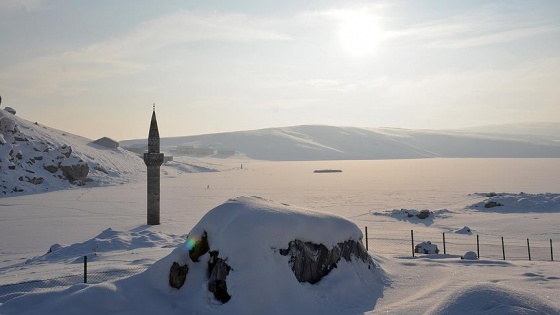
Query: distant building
[(10, 110), (107, 142)]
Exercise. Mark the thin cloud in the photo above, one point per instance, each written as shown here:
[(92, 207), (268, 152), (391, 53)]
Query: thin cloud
[(477, 29), (128, 54)]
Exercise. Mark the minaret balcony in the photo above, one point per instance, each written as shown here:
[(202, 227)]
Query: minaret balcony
[(153, 159)]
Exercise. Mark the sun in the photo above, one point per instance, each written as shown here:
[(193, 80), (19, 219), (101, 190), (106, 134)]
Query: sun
[(359, 32)]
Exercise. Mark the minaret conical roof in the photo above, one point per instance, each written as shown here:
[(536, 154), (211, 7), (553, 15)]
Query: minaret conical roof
[(153, 135)]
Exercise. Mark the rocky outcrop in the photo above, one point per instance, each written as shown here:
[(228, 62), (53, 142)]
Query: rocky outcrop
[(310, 262), (76, 172), (178, 275), (492, 204), (218, 270)]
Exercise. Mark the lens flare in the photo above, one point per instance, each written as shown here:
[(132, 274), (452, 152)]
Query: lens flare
[(189, 244)]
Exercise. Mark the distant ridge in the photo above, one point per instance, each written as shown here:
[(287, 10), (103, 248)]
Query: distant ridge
[(318, 142)]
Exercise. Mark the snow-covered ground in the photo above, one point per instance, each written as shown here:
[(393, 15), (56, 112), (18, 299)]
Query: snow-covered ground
[(366, 192)]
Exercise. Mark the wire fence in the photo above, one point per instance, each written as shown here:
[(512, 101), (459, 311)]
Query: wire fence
[(404, 243), (385, 243)]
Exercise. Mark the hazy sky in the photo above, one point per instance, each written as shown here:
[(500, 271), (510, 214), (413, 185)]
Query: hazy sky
[(94, 68)]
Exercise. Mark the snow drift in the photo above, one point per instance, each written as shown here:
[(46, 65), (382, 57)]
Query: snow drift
[(246, 236), (491, 299)]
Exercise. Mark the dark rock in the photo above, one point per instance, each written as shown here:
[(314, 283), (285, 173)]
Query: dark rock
[(38, 158), (12, 167), (30, 171), (21, 178), (51, 168), (491, 194), (101, 169), (178, 275), (76, 173), (218, 270), (311, 262), (67, 151), (423, 214), (200, 248), (492, 204), (19, 156), (36, 180)]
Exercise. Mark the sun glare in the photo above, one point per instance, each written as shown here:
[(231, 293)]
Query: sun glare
[(359, 32)]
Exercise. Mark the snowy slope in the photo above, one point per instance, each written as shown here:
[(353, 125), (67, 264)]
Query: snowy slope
[(35, 158), (314, 142)]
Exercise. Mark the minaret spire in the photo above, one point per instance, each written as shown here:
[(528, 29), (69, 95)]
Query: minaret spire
[(153, 160)]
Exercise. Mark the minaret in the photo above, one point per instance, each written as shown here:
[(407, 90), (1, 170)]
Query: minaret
[(153, 160)]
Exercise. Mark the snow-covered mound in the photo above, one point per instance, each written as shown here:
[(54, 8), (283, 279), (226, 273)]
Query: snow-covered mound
[(516, 203), (240, 247), (106, 242), (490, 299), (465, 230), (36, 158), (425, 216)]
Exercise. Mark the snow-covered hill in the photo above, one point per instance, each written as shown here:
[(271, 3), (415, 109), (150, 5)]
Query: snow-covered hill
[(35, 158), (315, 142)]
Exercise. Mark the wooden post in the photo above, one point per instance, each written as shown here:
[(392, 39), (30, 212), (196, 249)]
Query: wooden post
[(528, 249), (444, 251), (412, 241), (367, 247), (477, 247), (503, 249), (85, 269), (551, 254)]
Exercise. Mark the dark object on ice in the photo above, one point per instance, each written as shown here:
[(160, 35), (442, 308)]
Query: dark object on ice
[(218, 270), (178, 275), (327, 171), (491, 194), (423, 214), (492, 204), (311, 262), (426, 248)]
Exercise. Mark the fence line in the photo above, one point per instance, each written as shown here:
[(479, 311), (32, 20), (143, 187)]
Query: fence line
[(389, 243), (458, 244)]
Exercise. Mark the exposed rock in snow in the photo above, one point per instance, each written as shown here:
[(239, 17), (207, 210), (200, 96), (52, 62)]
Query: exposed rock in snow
[(310, 262), (425, 216), (426, 248), (464, 230), (515, 203), (246, 238), (38, 159)]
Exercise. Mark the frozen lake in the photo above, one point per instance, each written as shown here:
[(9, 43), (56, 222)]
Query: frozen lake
[(30, 224)]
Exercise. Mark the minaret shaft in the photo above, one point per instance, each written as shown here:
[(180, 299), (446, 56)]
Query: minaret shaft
[(153, 160)]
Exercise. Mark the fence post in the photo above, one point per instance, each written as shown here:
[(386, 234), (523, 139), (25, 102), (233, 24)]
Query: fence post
[(367, 247), (503, 249), (551, 254), (412, 241), (477, 247), (444, 251), (85, 269), (528, 249)]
